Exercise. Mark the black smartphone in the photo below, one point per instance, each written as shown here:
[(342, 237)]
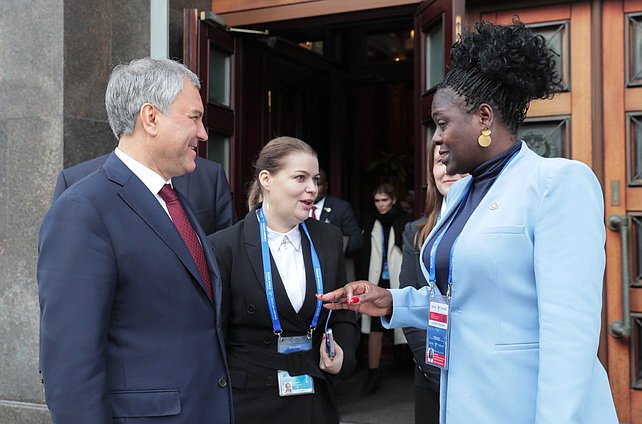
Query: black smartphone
[(329, 344)]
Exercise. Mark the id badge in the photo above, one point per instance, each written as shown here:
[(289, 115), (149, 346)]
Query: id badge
[(438, 334), (300, 384)]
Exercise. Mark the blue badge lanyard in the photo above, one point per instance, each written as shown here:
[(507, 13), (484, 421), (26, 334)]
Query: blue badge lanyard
[(432, 278), (269, 287)]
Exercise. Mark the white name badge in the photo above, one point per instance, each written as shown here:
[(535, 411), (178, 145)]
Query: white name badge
[(299, 384), (438, 334)]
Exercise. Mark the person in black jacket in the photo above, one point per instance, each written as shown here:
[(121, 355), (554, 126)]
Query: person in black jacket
[(272, 322), (338, 212), (380, 263), (426, 376), (206, 190)]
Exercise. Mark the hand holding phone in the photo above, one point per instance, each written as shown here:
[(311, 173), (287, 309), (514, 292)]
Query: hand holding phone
[(329, 344)]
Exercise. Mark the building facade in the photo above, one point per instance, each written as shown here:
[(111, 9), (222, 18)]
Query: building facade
[(353, 78)]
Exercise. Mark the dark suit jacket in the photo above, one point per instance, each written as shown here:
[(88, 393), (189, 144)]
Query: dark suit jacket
[(251, 343), (339, 212), (206, 189), (411, 275), (126, 327)]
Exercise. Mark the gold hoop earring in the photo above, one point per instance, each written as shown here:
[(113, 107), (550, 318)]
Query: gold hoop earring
[(484, 139)]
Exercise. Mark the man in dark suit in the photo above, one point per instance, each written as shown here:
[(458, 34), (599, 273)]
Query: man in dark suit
[(129, 298), (206, 189), (337, 212)]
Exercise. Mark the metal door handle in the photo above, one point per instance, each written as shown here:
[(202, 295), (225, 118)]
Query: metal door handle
[(622, 329)]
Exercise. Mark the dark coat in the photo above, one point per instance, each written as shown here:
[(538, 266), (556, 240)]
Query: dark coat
[(338, 212), (411, 276), (126, 328), (206, 189), (251, 343)]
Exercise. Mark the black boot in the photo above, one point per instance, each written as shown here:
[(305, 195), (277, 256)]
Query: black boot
[(372, 382)]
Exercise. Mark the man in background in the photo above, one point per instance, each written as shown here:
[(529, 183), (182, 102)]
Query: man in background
[(338, 212), (206, 189)]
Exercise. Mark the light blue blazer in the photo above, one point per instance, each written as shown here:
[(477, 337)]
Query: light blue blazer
[(526, 300)]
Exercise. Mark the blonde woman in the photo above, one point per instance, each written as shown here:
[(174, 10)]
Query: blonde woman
[(272, 264)]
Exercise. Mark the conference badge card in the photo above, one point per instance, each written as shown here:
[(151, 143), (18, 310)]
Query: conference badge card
[(438, 335)]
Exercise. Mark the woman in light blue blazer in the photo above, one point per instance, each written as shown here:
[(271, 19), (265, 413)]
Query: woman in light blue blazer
[(518, 253)]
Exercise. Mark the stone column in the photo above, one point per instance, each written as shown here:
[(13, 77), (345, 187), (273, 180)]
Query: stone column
[(55, 60), (31, 153)]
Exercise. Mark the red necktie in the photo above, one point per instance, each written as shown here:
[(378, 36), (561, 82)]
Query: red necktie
[(314, 212), (188, 234)]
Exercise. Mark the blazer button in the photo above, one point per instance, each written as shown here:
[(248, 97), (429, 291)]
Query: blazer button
[(251, 309), (269, 381), (267, 340), (222, 382)]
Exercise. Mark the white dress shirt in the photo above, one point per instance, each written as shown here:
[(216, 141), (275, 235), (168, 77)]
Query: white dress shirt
[(153, 181), (288, 256)]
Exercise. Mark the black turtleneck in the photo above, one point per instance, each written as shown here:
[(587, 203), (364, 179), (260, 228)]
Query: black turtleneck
[(484, 176)]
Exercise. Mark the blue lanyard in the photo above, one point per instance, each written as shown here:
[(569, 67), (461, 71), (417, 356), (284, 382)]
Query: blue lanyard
[(432, 278), (269, 287), (384, 251)]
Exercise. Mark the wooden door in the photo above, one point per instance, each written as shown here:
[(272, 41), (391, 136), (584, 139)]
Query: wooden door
[(562, 126), (437, 25), (299, 84), (283, 90), (622, 68), (256, 87), (210, 52), (600, 123)]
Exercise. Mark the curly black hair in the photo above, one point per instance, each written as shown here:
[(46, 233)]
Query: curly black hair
[(505, 66)]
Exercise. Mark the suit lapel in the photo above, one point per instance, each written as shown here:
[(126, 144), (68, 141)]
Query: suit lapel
[(252, 239), (285, 308), (138, 197), (283, 304), (303, 318), (309, 301), (325, 216)]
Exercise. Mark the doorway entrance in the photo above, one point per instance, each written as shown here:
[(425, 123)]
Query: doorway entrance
[(344, 84)]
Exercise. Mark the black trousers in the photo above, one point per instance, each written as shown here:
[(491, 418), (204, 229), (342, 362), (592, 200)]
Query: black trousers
[(426, 406)]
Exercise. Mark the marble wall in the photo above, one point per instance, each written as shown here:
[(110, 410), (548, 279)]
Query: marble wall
[(31, 153), (55, 59), (98, 36)]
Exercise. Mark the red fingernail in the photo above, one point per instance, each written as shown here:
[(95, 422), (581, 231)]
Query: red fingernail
[(354, 300)]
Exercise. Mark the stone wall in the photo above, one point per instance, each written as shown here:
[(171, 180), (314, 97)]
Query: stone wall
[(55, 56), (31, 153)]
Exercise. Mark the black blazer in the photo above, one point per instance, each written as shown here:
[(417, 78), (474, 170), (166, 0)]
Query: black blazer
[(411, 276), (338, 212), (250, 342), (206, 190)]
